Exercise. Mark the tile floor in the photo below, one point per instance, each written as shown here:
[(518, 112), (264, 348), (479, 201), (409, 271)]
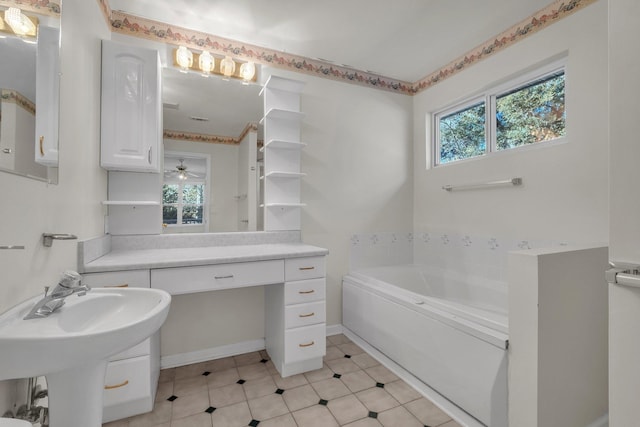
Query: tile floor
[(352, 389)]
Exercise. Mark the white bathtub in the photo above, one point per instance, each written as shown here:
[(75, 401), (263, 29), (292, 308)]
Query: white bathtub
[(448, 330)]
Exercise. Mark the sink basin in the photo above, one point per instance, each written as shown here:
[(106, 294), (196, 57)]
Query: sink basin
[(72, 345)]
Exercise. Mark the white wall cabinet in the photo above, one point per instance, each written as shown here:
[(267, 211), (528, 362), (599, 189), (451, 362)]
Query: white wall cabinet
[(132, 376), (47, 96), (282, 123), (131, 120)]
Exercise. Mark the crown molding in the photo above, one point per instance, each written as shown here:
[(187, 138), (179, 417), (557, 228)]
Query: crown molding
[(15, 97), (131, 25)]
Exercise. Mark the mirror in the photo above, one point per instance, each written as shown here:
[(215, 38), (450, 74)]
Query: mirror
[(210, 137), (29, 93)]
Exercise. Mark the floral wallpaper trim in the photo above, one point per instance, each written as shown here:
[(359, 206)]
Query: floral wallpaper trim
[(15, 97), (106, 11), (211, 139), (542, 19), (158, 31), (43, 7)]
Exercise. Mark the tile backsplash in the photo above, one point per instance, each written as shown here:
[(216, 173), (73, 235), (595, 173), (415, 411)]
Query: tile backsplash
[(475, 255)]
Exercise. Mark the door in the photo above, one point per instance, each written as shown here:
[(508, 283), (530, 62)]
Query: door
[(624, 216)]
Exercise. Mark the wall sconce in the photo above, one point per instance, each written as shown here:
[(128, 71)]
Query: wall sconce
[(184, 58), (207, 64), (227, 67), (19, 23)]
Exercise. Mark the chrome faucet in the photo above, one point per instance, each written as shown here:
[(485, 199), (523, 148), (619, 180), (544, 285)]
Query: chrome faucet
[(70, 283)]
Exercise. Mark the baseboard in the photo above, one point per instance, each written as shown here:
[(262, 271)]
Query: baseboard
[(181, 359)]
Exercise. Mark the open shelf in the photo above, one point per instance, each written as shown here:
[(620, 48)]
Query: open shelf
[(283, 205), (283, 145), (278, 174), (277, 113), (129, 203), (280, 83)]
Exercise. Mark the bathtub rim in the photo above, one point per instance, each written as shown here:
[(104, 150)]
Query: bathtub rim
[(425, 305)]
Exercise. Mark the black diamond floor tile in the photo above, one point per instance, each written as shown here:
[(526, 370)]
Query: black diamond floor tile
[(373, 414), (336, 375), (380, 385), (240, 382), (210, 409), (172, 398), (279, 391), (254, 423), (323, 402)]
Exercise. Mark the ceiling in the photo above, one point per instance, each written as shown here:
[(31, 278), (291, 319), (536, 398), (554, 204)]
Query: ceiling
[(401, 39)]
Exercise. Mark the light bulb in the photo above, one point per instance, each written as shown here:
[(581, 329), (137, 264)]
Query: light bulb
[(227, 66), (184, 58), (247, 71), (206, 62)]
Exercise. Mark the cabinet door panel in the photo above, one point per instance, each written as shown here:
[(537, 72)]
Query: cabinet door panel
[(131, 108)]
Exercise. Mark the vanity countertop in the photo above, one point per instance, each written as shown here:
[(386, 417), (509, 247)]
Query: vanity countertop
[(139, 259)]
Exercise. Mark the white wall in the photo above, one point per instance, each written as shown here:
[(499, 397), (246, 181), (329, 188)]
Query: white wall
[(30, 208), (557, 337), (564, 196), (624, 310)]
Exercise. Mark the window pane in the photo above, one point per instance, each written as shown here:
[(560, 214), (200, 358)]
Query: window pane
[(192, 214), (169, 214), (193, 194), (462, 134), (169, 193), (531, 114)]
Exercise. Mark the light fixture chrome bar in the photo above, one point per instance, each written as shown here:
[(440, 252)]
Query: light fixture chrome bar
[(510, 181)]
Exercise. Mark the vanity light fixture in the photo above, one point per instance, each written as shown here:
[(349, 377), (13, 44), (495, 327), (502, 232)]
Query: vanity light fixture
[(247, 71), (227, 67), (206, 62), (21, 24), (184, 58)]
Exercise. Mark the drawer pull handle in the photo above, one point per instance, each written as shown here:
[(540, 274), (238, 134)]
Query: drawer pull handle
[(306, 268), (307, 345), (122, 384), (307, 315), (124, 285), (307, 292), (224, 277)]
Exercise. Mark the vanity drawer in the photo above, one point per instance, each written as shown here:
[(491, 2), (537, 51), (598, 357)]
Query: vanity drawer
[(304, 343), (127, 380), (184, 280), (303, 291), (304, 314), (304, 268), (131, 278)]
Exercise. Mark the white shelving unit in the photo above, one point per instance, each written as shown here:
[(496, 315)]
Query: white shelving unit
[(282, 124)]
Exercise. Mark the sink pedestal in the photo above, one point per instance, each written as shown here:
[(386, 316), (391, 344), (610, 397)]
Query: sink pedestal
[(75, 395)]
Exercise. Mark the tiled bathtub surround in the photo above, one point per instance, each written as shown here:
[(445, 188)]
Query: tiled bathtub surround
[(467, 254), (352, 389)]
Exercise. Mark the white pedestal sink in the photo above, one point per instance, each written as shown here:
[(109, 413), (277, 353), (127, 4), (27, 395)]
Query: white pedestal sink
[(71, 346)]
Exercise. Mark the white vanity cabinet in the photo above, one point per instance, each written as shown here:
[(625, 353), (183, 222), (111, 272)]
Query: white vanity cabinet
[(131, 116), (296, 317), (132, 375)]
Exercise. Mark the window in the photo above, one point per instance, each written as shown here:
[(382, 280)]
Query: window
[(183, 203), (184, 190), (523, 112)]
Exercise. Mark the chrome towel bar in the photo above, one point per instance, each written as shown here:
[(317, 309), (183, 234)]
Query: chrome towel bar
[(623, 274), (11, 247), (510, 181)]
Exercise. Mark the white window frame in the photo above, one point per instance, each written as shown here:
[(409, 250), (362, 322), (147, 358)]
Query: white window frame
[(489, 97), (207, 189)]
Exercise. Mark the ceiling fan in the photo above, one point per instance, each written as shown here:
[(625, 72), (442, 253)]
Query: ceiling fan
[(180, 171)]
